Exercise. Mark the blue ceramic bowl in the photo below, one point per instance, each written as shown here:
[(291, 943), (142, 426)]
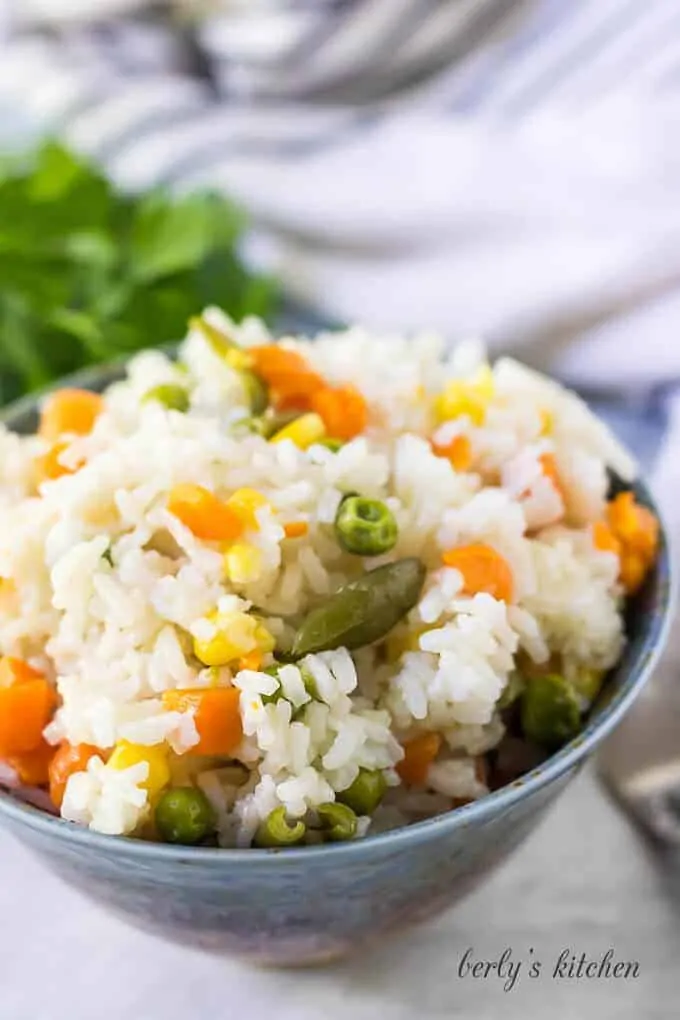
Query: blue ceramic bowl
[(308, 905)]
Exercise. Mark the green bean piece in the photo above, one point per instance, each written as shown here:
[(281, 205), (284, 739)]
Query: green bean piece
[(512, 690), (365, 793), (255, 425), (362, 611), (276, 830), (108, 556), (216, 338), (334, 445), (310, 683), (365, 527), (256, 392), (550, 713), (170, 395), (338, 821), (184, 815)]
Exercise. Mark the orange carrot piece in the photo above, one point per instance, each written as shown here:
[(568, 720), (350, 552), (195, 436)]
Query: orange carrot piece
[(253, 660), (206, 516), (287, 375), (549, 468), (632, 570), (70, 411), (296, 529), (419, 754), (634, 525), (637, 531), (342, 409), (216, 714), (483, 570), (604, 538), (68, 759), (26, 704), (32, 767), (17, 671), (48, 466), (458, 452)]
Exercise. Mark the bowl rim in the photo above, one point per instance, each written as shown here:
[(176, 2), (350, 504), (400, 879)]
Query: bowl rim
[(638, 671)]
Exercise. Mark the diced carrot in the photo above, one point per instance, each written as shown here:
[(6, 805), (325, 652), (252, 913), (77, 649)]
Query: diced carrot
[(70, 411), (287, 374), (48, 466), (342, 409), (206, 516), (216, 714), (604, 539), (26, 704), (458, 451), (32, 767), (632, 570), (634, 525), (419, 754), (17, 671), (253, 660), (637, 531), (68, 759), (549, 468), (483, 570), (296, 529)]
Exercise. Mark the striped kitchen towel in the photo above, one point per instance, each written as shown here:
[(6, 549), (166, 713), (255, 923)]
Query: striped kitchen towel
[(524, 187)]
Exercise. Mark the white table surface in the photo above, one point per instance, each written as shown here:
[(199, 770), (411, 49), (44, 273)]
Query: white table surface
[(584, 881)]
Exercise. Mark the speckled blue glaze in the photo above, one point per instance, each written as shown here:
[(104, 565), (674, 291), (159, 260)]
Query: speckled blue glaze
[(309, 905)]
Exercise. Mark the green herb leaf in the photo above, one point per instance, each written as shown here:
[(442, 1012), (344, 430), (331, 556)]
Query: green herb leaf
[(88, 273)]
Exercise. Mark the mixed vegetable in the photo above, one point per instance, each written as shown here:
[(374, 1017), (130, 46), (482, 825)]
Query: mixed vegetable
[(290, 402)]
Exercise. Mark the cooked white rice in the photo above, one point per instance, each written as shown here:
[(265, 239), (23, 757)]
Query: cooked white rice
[(105, 589)]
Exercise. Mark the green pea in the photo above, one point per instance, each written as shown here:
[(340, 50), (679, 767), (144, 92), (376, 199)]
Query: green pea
[(170, 395), (365, 793), (276, 830), (338, 821), (256, 392), (512, 690), (334, 445), (184, 815), (365, 527), (362, 611), (550, 713), (587, 684)]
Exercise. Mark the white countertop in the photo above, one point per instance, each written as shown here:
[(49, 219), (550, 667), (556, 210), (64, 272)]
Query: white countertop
[(585, 882)]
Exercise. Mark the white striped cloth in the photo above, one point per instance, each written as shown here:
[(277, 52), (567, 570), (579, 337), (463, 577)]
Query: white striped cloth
[(528, 188)]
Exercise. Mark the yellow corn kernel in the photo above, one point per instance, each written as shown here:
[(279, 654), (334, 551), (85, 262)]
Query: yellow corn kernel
[(469, 397), (243, 563), (266, 642), (238, 359), (236, 635), (304, 431), (246, 503), (397, 644), (125, 755), (547, 421)]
